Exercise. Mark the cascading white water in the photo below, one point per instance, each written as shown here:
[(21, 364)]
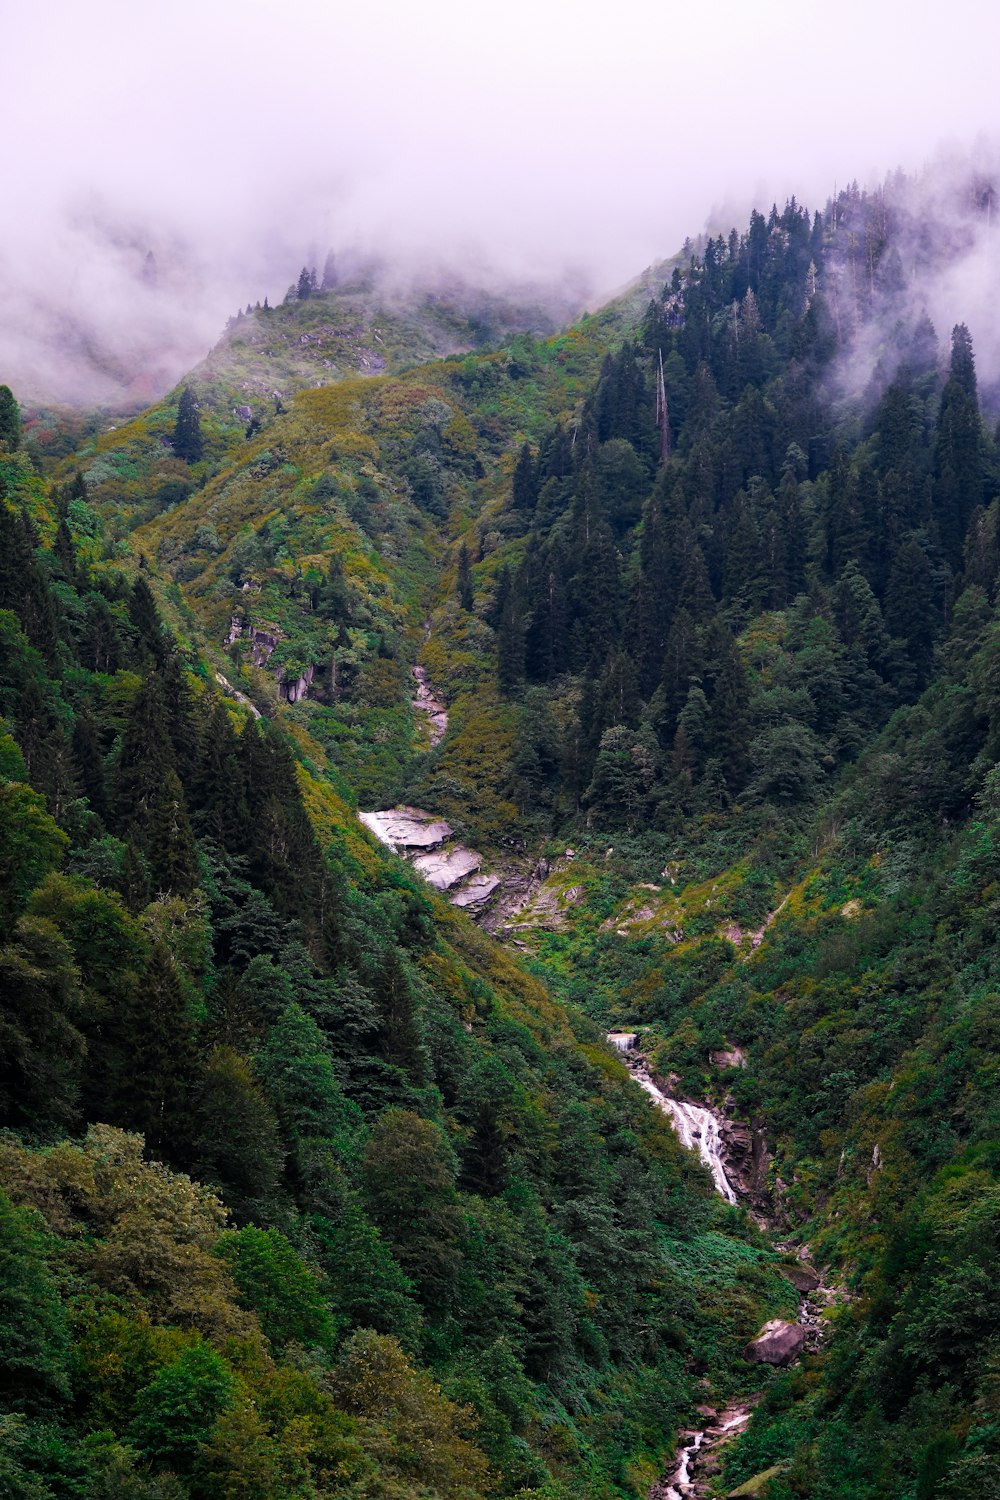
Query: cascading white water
[(680, 1485), (698, 1129), (623, 1041)]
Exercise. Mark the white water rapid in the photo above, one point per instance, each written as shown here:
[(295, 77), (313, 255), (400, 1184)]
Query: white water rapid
[(680, 1485), (697, 1127), (699, 1131)]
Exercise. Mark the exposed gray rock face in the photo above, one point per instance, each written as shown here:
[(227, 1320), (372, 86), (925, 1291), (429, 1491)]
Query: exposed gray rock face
[(445, 868), (475, 891), (778, 1343), (235, 693), (734, 1057), (407, 828), (427, 843), (294, 688)]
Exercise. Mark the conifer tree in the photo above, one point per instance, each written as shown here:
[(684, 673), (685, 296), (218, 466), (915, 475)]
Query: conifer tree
[(10, 420), (169, 843), (188, 443), (958, 473), (145, 758), (524, 489)]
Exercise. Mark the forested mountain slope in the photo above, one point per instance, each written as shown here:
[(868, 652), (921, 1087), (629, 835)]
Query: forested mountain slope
[(307, 1188), (712, 611)]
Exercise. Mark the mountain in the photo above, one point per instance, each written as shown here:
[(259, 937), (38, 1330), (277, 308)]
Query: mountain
[(700, 592)]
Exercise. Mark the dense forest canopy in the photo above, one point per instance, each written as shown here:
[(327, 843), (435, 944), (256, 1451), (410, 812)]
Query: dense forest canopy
[(311, 1187)]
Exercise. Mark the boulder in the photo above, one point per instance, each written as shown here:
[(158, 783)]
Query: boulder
[(804, 1278), (778, 1343)]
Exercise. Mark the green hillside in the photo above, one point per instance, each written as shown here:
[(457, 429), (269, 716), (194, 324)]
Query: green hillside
[(716, 634)]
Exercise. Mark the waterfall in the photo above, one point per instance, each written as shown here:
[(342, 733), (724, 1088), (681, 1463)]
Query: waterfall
[(624, 1041)]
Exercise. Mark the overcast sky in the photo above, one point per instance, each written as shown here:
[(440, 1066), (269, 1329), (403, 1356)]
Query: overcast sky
[(240, 138)]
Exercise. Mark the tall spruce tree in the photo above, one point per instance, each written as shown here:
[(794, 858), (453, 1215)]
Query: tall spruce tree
[(958, 457), (187, 440), (10, 419)]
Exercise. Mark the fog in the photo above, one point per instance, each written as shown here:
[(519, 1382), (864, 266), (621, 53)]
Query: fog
[(539, 141)]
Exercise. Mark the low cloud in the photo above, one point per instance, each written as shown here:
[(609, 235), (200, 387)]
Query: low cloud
[(530, 144)]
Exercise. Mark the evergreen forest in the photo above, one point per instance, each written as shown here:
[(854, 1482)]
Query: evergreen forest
[(315, 1183)]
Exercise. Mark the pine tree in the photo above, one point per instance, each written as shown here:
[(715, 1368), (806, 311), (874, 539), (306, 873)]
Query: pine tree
[(524, 489), (10, 420), (510, 643), (220, 797), (153, 1039), (89, 760), (546, 640), (728, 721), (169, 843), (958, 466), (188, 443), (145, 618), (145, 758), (911, 606)]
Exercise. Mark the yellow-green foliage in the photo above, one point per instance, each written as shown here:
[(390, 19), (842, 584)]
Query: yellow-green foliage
[(134, 1228), (467, 782)]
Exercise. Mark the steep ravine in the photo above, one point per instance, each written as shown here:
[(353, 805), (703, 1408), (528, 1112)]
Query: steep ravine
[(737, 1178)]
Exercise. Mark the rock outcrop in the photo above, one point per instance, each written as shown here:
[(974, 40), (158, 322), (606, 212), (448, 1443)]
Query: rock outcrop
[(446, 867), (778, 1343), (426, 703), (428, 843), (407, 828), (476, 891), (804, 1278), (292, 689)]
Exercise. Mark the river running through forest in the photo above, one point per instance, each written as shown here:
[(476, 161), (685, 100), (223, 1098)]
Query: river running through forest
[(699, 1129)]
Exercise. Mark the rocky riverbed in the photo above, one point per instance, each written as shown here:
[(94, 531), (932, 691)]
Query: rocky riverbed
[(736, 1156)]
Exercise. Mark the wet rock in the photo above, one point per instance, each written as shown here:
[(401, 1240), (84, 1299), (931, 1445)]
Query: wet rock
[(778, 1343), (426, 703), (624, 1041)]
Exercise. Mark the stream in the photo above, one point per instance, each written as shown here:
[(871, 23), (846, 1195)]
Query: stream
[(699, 1129)]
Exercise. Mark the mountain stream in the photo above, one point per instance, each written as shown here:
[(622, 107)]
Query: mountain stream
[(700, 1129)]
